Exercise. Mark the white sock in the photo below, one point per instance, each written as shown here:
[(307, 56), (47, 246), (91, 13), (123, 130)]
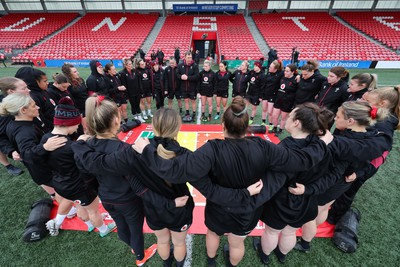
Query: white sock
[(89, 224), (72, 211), (149, 111), (144, 112), (59, 219), (102, 228)]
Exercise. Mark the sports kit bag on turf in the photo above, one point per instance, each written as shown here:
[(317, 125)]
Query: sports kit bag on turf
[(35, 228), (345, 237), (126, 127), (261, 129)]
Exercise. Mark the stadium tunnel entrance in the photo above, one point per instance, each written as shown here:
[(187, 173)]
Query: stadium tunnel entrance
[(207, 44)]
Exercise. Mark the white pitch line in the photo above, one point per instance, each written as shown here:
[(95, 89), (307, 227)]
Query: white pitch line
[(189, 250), (198, 111)]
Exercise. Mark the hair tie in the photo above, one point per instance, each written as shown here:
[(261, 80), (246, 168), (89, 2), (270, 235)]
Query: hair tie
[(99, 99), (373, 112), (372, 77), (241, 112)]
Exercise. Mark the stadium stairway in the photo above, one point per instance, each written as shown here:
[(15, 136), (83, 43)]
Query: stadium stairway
[(366, 36), (258, 38), (148, 43)]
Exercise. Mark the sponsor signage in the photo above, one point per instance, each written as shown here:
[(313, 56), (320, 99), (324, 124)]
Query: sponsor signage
[(205, 8)]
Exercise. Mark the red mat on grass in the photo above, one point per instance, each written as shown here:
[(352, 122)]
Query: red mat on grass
[(192, 137)]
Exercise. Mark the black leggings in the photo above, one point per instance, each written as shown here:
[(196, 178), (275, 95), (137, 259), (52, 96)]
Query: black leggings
[(344, 202), (135, 104), (129, 219)]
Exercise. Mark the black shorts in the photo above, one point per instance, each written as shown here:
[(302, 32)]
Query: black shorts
[(334, 192), (254, 100), (223, 94), (190, 95), (269, 97), (120, 98), (146, 94), (220, 221), (285, 105), (176, 94), (84, 198), (237, 93), (206, 93), (176, 219), (295, 216)]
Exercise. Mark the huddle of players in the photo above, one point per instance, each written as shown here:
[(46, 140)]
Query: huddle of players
[(38, 84)]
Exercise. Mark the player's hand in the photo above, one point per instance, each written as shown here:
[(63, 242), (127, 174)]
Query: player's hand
[(140, 144), (54, 142), (181, 201), (350, 178), (16, 156), (327, 138), (184, 77), (122, 88), (298, 78), (255, 188), (298, 190), (83, 137)]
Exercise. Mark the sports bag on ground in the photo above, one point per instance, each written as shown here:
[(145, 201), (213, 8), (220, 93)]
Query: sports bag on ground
[(35, 228), (345, 236)]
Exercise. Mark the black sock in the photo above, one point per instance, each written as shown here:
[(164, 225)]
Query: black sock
[(264, 257), (187, 112), (271, 123), (53, 195), (305, 244), (139, 257), (180, 263), (180, 110), (194, 114), (211, 261), (126, 120), (264, 121), (280, 255), (251, 118), (202, 114), (217, 113)]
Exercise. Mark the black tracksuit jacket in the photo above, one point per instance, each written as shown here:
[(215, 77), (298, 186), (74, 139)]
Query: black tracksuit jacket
[(192, 71), (172, 83), (131, 82), (332, 96), (79, 93), (309, 88), (240, 81)]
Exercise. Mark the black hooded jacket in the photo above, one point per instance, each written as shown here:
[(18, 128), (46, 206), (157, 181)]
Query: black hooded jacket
[(79, 93), (41, 98), (96, 82), (192, 71)]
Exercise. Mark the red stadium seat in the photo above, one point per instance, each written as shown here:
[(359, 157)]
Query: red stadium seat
[(325, 39)]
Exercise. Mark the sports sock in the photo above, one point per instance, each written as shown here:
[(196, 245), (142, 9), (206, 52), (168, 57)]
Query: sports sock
[(125, 120), (264, 121), (305, 244), (148, 111), (217, 113), (102, 228), (72, 211), (202, 114), (144, 112), (89, 224), (251, 118), (59, 219), (187, 112)]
